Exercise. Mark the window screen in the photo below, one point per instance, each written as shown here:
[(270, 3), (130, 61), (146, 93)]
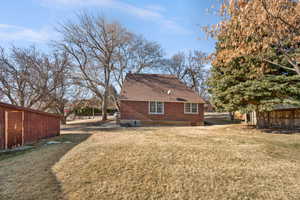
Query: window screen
[(191, 108), (156, 107)]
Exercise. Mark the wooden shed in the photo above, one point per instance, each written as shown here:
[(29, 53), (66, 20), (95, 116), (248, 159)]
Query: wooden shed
[(283, 117), (19, 126)]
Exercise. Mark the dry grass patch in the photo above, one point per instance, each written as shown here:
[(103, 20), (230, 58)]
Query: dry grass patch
[(217, 162)]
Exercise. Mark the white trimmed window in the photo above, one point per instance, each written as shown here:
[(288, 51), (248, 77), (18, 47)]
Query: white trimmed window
[(191, 108), (156, 108)]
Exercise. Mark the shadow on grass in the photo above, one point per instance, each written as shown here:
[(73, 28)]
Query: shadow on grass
[(281, 131), (86, 126), (33, 168), (278, 130), (219, 119), (272, 130), (90, 123), (9, 154)]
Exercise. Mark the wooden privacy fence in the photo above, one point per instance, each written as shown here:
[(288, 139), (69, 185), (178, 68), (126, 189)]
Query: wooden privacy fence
[(19, 126), (285, 119)]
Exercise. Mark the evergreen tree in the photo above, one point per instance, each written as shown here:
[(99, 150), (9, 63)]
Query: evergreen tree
[(246, 83)]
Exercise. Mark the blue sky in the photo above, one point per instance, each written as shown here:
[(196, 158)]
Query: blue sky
[(175, 24)]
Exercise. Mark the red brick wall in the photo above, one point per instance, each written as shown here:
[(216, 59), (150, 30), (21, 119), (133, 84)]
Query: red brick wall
[(37, 125), (139, 110)]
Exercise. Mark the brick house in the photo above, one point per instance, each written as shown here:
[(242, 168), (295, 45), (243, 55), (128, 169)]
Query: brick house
[(159, 99)]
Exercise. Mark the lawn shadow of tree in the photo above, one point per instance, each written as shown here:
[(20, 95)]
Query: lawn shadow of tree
[(219, 119), (30, 176)]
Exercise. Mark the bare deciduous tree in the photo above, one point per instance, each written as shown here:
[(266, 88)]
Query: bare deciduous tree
[(136, 56), (28, 78), (190, 69), (67, 99), (176, 65), (93, 43), (67, 96)]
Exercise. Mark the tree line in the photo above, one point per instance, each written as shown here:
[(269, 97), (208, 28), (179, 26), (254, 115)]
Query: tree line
[(90, 59)]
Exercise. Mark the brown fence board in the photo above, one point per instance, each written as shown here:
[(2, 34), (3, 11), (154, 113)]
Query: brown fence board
[(287, 119), (36, 124)]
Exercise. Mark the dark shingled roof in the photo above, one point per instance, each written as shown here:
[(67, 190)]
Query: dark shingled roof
[(157, 87)]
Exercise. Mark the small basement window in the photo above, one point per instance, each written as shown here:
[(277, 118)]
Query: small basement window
[(191, 108), (156, 108)]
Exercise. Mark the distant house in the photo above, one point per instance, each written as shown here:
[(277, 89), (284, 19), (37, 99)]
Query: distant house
[(282, 116), (159, 99)]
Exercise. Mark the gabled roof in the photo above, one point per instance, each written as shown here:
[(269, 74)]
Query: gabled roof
[(157, 87)]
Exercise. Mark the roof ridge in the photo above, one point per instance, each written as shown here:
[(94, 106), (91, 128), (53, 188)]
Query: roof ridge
[(151, 74)]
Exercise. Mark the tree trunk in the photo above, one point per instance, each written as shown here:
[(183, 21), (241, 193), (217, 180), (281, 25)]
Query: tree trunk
[(63, 120), (104, 106), (231, 116), (106, 95), (257, 117)]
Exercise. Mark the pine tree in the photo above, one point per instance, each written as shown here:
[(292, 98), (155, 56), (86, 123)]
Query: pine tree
[(247, 84)]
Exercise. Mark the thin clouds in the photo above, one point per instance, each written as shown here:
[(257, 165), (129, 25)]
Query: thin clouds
[(151, 13), (77, 2), (14, 33), (156, 8)]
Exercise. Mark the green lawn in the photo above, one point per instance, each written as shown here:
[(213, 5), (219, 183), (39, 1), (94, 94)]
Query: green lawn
[(215, 162)]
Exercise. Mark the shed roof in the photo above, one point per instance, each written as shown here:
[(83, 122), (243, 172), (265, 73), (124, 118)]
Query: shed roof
[(157, 87)]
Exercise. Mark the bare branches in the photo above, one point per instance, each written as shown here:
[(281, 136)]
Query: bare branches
[(279, 65), (28, 77), (136, 56), (103, 52), (92, 56), (190, 69), (93, 43)]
